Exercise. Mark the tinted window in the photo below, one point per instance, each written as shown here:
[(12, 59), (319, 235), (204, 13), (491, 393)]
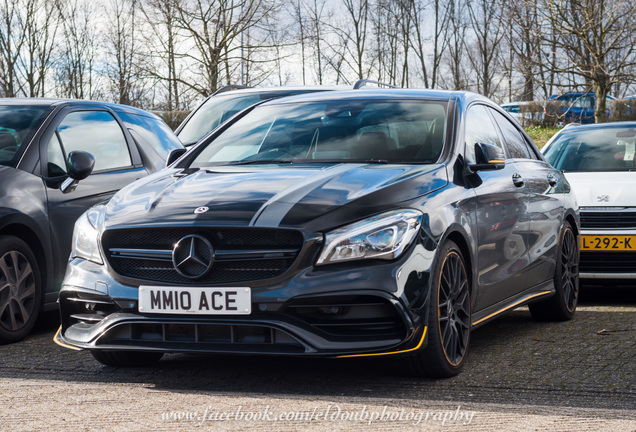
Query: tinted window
[(18, 124), (98, 133), (479, 129), (355, 130), (610, 149), (153, 131), (515, 142)]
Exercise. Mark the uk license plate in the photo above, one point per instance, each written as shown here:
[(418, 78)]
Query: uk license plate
[(195, 301), (615, 243)]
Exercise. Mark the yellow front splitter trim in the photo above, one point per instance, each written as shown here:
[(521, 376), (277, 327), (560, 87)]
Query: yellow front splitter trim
[(389, 353), (57, 340), (515, 304)]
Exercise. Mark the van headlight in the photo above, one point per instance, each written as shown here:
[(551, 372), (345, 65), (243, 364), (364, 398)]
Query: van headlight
[(384, 236), (86, 234)]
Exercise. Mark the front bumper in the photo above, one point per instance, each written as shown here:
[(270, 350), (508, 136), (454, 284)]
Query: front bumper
[(341, 310)]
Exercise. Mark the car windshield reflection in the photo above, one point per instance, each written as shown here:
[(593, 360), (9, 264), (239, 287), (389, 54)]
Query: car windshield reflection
[(326, 132), (607, 149)]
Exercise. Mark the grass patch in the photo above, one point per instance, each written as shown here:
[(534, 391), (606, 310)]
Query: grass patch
[(541, 134)]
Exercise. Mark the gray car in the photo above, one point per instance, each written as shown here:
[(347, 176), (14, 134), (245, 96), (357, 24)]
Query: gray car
[(46, 147)]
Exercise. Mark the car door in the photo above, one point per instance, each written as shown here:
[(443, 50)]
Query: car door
[(117, 163), (502, 257), (544, 206)]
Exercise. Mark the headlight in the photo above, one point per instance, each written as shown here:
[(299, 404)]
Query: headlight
[(384, 236), (85, 235)]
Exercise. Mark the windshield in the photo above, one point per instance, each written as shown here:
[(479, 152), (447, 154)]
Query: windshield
[(333, 131), (217, 109), (607, 149), (18, 124)]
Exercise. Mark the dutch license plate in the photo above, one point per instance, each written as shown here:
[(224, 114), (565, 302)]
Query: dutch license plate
[(608, 242), (197, 301)]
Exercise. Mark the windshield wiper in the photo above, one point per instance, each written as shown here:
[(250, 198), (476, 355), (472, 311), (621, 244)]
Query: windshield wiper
[(260, 162)]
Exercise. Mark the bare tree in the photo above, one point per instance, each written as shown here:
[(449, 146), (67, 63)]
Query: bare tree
[(75, 65), (437, 38), (456, 48), (318, 14), (352, 33), (11, 41), (296, 12), (485, 21), (163, 42), (39, 30), (122, 46), (215, 27), (599, 39)]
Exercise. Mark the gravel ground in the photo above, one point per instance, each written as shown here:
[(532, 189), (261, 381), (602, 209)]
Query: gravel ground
[(520, 376)]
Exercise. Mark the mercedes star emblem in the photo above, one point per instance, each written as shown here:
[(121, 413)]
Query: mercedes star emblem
[(200, 210), (193, 256)]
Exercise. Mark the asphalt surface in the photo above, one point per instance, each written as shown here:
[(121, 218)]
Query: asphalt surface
[(520, 376)]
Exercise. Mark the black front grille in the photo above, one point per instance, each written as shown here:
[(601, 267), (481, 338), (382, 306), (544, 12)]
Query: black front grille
[(242, 254), (598, 219), (212, 337), (608, 262)]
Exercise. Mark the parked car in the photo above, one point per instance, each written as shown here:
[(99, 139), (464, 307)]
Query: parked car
[(43, 145), (578, 107), (339, 224), (229, 100), (598, 161)]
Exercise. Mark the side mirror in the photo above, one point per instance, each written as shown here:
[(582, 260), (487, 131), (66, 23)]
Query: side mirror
[(80, 165), (174, 155), (488, 158)]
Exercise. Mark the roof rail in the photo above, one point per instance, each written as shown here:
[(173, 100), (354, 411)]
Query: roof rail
[(230, 87), (361, 83)]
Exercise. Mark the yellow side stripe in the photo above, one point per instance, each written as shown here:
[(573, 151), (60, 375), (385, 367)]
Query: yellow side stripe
[(389, 353), (60, 343), (512, 305), (497, 161)]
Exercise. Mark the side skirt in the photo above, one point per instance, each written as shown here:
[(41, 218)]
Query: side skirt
[(543, 290)]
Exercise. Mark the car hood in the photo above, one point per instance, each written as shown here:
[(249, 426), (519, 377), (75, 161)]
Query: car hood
[(603, 189), (270, 195)]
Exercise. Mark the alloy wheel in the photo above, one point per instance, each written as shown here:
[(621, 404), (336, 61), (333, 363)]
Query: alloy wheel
[(454, 309), (17, 290), (569, 269)]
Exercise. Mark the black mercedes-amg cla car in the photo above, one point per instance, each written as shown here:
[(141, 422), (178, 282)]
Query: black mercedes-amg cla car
[(384, 222)]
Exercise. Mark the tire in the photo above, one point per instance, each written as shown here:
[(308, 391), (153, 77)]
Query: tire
[(562, 305), (449, 318), (127, 358), (20, 289)]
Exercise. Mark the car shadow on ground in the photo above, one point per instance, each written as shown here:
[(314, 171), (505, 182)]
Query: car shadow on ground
[(513, 359)]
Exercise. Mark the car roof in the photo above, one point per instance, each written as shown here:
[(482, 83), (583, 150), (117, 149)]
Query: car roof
[(69, 102), (577, 94), (603, 126), (375, 93)]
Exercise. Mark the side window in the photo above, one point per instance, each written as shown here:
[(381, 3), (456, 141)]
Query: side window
[(515, 142), (96, 132), (479, 129), (153, 131)]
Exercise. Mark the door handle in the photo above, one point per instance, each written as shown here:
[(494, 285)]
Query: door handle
[(552, 180), (517, 180)]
